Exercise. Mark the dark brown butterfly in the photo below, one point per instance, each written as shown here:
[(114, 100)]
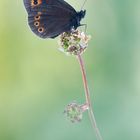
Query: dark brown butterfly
[(50, 18)]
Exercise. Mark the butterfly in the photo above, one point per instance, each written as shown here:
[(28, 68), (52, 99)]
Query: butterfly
[(50, 18)]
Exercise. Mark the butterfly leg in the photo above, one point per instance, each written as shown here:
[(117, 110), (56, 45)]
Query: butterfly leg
[(85, 26)]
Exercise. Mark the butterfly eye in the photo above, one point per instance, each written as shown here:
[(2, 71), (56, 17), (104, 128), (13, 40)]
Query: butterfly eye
[(37, 17), (36, 23), (40, 29)]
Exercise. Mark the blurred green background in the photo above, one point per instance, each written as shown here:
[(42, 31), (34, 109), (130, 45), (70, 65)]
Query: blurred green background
[(37, 81)]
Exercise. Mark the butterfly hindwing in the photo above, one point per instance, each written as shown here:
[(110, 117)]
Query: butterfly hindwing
[(49, 18), (47, 26)]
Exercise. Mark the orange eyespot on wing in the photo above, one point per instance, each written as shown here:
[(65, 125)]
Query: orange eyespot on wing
[(37, 17), (40, 29), (35, 2), (36, 23), (39, 13)]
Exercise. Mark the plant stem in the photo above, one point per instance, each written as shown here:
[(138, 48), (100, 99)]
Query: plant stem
[(88, 99)]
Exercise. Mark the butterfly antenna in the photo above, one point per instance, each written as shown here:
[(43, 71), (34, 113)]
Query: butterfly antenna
[(83, 4)]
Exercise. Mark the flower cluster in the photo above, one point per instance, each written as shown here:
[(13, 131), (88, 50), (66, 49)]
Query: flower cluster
[(74, 42), (74, 111)]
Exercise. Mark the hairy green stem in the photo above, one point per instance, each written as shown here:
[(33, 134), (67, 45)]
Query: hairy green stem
[(88, 99)]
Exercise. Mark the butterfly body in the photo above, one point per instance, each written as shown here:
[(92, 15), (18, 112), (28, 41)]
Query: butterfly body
[(50, 18)]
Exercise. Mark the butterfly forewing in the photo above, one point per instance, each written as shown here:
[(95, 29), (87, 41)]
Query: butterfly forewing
[(30, 4)]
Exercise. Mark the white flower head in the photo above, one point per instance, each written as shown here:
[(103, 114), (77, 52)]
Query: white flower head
[(74, 42)]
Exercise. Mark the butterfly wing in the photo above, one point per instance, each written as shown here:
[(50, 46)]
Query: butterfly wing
[(49, 18), (30, 5)]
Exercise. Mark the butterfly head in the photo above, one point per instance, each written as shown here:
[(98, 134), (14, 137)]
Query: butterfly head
[(81, 14)]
